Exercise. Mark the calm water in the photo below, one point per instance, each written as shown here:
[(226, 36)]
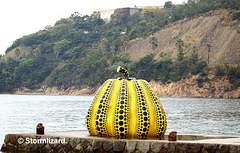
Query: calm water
[(21, 114)]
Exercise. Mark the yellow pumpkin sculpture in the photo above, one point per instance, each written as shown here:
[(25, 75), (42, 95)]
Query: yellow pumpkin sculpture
[(126, 108)]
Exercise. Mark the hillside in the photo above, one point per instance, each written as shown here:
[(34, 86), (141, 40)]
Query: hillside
[(213, 87), (197, 86), (168, 47), (215, 28)]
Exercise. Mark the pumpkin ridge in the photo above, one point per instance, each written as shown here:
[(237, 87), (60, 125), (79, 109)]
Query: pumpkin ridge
[(133, 109), (160, 114), (121, 115), (112, 106), (90, 118), (103, 108), (151, 109), (143, 120)]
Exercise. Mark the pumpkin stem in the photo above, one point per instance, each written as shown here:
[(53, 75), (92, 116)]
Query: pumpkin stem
[(123, 71)]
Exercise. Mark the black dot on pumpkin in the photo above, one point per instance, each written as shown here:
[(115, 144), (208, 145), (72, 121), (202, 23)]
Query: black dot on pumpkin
[(122, 134), (145, 129), (100, 106), (144, 108), (96, 122), (145, 113), (145, 118), (121, 106), (98, 112), (98, 129), (162, 128), (121, 112), (122, 102), (121, 129), (145, 124), (120, 117), (121, 123)]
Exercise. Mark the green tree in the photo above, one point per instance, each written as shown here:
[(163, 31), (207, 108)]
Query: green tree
[(163, 68), (124, 41), (154, 41), (143, 68), (236, 15), (168, 4), (148, 12), (209, 49), (155, 29), (120, 16), (194, 49), (60, 47), (37, 52), (2, 79), (220, 71), (180, 44)]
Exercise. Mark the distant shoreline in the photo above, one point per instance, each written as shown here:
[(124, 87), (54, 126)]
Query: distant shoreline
[(178, 90)]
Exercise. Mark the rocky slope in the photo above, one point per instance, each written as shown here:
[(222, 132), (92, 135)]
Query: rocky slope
[(213, 87), (215, 28)]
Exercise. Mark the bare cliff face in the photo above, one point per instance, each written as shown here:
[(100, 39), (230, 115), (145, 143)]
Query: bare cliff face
[(214, 87), (214, 28)]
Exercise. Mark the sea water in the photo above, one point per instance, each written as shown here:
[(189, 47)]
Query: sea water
[(22, 113)]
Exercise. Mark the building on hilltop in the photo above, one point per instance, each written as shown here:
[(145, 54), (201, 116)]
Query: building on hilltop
[(155, 7), (106, 14)]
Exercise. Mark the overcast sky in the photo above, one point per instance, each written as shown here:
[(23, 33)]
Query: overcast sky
[(23, 17)]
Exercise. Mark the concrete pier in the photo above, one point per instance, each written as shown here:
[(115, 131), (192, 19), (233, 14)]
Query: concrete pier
[(80, 141)]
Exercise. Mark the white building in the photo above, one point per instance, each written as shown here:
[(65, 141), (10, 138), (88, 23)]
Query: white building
[(106, 14)]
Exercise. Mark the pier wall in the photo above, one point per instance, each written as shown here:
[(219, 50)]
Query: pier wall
[(14, 143)]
